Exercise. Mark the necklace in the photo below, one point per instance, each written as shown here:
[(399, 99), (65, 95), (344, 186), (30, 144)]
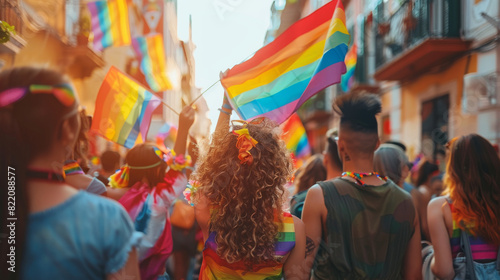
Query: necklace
[(45, 175), (359, 176)]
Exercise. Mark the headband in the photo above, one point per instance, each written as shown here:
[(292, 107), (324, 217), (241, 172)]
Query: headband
[(64, 93)]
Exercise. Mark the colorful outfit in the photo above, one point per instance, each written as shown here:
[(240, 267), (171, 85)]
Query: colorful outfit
[(86, 237), (214, 267), (481, 250), (367, 231), (148, 208)]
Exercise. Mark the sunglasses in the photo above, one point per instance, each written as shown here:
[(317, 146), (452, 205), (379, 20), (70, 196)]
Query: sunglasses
[(64, 94)]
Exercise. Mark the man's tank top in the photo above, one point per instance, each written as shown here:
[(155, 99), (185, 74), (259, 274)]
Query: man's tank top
[(367, 231)]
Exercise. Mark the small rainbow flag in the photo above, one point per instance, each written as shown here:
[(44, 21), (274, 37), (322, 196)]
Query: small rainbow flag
[(110, 23), (168, 132), (151, 53), (350, 62), (295, 137), (123, 109), (282, 75)]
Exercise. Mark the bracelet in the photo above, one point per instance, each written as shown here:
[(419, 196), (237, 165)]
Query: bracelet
[(227, 106), (225, 112)]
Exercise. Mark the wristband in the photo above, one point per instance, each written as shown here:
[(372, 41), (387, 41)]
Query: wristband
[(225, 112), (227, 106)]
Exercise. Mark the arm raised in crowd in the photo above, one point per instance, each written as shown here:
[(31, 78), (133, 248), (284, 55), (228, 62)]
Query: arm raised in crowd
[(186, 120)]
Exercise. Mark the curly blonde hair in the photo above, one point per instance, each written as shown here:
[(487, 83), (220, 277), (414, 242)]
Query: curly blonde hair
[(245, 198)]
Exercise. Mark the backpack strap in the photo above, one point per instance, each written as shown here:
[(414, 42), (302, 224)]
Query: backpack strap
[(498, 259), (465, 245)]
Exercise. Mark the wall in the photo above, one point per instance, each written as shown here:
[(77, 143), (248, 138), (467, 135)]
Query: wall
[(428, 87)]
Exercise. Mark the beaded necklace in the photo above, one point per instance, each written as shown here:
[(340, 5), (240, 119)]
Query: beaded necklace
[(359, 176)]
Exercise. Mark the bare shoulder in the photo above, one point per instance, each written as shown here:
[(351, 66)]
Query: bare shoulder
[(437, 203), (315, 191)]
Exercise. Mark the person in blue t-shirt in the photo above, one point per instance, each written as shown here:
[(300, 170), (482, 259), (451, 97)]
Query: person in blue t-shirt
[(59, 232)]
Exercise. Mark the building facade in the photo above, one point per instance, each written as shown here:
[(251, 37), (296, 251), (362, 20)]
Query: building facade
[(433, 62), (57, 35)]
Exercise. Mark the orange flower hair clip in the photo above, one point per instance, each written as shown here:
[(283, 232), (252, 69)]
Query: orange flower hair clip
[(245, 142)]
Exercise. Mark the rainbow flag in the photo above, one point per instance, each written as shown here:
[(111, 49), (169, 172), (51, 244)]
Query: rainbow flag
[(110, 23), (282, 75), (350, 62), (166, 132), (151, 53), (295, 137), (123, 109)]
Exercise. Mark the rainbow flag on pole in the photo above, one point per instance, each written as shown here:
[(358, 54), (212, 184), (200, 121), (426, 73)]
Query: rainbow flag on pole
[(110, 23), (282, 75), (295, 137), (151, 53), (123, 109), (350, 62)]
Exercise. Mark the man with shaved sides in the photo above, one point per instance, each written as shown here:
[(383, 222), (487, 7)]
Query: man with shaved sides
[(360, 225)]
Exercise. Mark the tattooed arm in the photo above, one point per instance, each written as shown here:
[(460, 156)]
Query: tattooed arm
[(312, 213)]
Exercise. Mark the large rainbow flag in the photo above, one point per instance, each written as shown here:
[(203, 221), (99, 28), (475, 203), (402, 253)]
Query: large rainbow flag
[(123, 109), (295, 137), (350, 62), (110, 23), (282, 75), (151, 53)]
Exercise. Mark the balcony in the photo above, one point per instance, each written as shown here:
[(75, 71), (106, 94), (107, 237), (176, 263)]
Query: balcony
[(10, 13), (418, 36)]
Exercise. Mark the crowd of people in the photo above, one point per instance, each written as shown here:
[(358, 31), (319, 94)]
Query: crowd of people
[(359, 210)]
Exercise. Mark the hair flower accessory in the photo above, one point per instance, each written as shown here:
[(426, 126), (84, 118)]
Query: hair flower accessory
[(244, 144), (190, 190), (177, 162)]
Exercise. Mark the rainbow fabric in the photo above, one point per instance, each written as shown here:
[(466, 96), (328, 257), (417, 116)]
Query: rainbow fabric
[(282, 75), (214, 267), (480, 249), (148, 207), (123, 109), (295, 137), (110, 23), (71, 168), (350, 62), (167, 132), (151, 53)]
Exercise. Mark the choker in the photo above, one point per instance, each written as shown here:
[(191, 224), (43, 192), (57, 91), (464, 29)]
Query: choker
[(359, 176), (45, 175)]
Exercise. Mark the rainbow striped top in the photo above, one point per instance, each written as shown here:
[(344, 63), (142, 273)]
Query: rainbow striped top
[(214, 267), (480, 249)]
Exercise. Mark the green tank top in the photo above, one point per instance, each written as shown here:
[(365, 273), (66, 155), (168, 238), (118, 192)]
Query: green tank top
[(367, 231)]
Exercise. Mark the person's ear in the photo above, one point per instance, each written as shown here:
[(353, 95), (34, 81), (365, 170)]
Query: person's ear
[(325, 159), (69, 132), (405, 171), (378, 144)]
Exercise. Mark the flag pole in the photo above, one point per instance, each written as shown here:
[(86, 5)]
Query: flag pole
[(168, 106), (199, 96)]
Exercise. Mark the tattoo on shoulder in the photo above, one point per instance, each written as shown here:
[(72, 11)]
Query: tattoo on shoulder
[(309, 246)]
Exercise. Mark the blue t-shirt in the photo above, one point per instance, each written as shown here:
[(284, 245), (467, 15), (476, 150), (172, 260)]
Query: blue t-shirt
[(86, 237)]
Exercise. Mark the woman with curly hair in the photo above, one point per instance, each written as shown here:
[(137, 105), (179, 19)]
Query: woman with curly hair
[(470, 204), (239, 204)]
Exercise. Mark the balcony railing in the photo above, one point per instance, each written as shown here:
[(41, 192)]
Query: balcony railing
[(11, 13), (413, 22)]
